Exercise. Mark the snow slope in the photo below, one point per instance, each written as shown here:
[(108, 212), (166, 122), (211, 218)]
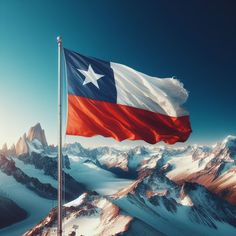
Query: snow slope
[(94, 177), (36, 207), (31, 171), (190, 210), (157, 200), (90, 215)]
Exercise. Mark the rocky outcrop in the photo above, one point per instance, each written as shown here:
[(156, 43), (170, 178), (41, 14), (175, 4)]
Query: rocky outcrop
[(103, 218), (213, 168), (22, 146), (71, 187), (35, 138), (8, 167), (10, 212), (162, 199), (36, 132), (12, 150), (4, 149)]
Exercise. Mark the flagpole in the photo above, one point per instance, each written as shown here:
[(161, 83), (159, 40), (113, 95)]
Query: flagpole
[(59, 163)]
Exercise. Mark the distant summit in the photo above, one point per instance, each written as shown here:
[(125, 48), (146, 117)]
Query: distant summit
[(21, 145), (36, 136), (36, 132)]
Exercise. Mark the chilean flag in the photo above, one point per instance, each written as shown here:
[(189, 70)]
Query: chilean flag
[(114, 100)]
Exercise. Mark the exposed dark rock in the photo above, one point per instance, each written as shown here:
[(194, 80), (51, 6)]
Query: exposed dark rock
[(170, 204), (36, 132), (155, 200), (10, 212), (71, 188), (8, 167), (120, 173)]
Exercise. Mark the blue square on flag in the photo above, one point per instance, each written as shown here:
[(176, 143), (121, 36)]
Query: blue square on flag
[(89, 77)]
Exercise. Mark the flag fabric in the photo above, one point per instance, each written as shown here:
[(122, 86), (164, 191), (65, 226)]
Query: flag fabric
[(113, 100)]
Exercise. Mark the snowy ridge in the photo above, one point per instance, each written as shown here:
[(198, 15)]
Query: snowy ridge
[(154, 190), (89, 215), (190, 209), (212, 167)]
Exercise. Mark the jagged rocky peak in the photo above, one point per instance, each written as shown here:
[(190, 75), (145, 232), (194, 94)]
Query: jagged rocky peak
[(4, 149), (35, 139), (227, 148), (139, 150), (229, 141), (185, 199), (12, 149), (36, 132), (22, 146), (98, 216)]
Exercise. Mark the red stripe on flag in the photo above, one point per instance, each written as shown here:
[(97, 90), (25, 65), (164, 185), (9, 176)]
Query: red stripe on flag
[(87, 117)]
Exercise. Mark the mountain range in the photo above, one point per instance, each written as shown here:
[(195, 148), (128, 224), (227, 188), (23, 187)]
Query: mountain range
[(145, 190)]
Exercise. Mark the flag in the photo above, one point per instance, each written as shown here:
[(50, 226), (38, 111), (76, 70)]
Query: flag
[(114, 100)]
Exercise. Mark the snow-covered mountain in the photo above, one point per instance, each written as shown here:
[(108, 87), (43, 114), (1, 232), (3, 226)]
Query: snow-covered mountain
[(34, 141), (92, 214), (29, 179), (188, 209), (213, 168), (146, 190), (152, 205), (36, 132)]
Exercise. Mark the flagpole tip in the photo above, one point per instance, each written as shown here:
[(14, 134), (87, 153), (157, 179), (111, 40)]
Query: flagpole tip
[(59, 39)]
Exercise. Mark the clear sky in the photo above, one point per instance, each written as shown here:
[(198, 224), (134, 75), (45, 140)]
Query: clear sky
[(192, 40)]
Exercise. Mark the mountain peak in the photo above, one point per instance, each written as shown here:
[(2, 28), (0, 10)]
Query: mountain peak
[(21, 145), (229, 141), (36, 132), (4, 149)]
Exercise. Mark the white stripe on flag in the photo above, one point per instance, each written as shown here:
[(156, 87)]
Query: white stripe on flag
[(135, 89)]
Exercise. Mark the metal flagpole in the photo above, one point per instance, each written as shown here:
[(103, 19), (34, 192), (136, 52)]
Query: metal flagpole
[(59, 165)]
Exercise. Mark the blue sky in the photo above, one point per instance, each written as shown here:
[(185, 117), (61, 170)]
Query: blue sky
[(192, 40)]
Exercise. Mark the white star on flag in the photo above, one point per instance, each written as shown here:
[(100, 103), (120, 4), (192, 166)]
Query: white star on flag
[(90, 76)]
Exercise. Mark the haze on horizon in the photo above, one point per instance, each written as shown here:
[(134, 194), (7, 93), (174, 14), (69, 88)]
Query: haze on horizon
[(194, 41)]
